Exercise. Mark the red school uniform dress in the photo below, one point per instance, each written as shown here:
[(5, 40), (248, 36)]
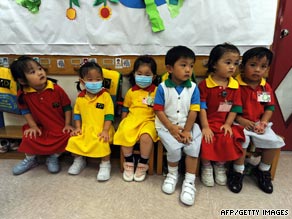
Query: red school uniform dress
[(218, 102), (48, 109)]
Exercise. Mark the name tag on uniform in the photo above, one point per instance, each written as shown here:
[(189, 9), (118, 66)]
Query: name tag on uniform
[(100, 105), (148, 101), (264, 96), (224, 107)]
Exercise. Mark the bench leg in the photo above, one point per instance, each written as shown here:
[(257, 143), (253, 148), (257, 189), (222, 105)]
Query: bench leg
[(275, 163)]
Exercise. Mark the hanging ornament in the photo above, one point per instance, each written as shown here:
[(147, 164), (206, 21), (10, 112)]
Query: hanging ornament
[(105, 11), (71, 12), (31, 5)]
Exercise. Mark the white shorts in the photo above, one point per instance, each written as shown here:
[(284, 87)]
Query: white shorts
[(269, 139), (173, 147)]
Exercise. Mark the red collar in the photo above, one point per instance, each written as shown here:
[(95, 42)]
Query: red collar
[(151, 88)]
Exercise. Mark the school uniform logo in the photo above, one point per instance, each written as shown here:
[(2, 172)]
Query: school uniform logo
[(56, 105), (99, 105)]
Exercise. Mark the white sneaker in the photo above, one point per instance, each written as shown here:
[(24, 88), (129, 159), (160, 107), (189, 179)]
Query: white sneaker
[(169, 183), (220, 175), (187, 195), (104, 172), (207, 175), (78, 165), (141, 172), (128, 174)]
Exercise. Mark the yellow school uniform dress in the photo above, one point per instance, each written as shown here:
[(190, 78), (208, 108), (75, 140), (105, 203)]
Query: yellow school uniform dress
[(140, 119), (93, 112)]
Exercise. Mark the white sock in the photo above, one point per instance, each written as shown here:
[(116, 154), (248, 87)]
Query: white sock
[(238, 168), (264, 167), (30, 157), (190, 178), (173, 170)]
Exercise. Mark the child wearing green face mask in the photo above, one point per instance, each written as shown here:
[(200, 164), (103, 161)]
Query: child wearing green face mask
[(138, 119), (93, 117)]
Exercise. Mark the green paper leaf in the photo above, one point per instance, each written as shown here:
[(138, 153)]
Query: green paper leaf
[(114, 1), (98, 2), (76, 2)]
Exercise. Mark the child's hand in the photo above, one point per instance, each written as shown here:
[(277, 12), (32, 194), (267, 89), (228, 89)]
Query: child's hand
[(248, 125), (260, 127), (76, 131), (227, 129), (104, 135), (207, 135), (175, 131), (186, 137), (68, 129), (32, 132)]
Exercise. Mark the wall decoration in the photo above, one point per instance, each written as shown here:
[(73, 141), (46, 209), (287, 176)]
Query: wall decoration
[(105, 11), (31, 5), (197, 24), (71, 12)]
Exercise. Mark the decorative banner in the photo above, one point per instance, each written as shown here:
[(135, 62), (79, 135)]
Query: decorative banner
[(197, 24)]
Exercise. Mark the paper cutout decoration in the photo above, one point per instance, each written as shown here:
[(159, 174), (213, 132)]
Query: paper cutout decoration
[(31, 5), (105, 11), (152, 11), (71, 12)]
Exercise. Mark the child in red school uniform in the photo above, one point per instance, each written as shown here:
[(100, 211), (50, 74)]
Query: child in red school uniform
[(47, 110), (258, 105), (137, 123), (93, 118), (220, 103)]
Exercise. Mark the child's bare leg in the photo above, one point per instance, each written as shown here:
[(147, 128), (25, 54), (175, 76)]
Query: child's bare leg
[(268, 155), (146, 147), (191, 164)]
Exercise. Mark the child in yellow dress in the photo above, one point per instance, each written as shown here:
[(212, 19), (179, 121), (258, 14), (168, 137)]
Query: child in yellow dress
[(137, 123), (93, 117)]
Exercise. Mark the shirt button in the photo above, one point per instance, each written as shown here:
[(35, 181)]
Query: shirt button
[(178, 98), (177, 111)]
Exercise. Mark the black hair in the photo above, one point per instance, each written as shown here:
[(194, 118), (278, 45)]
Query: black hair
[(258, 52), (85, 68), (142, 60), (177, 52), (20, 66), (217, 52)]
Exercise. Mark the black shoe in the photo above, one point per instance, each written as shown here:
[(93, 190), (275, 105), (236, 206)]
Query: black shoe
[(264, 180), (234, 181)]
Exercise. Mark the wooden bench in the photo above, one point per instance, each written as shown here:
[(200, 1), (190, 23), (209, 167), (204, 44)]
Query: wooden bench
[(11, 132)]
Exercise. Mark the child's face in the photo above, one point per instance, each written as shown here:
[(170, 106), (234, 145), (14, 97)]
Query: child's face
[(144, 70), (92, 76), (36, 76), (226, 65), (255, 69), (182, 70)]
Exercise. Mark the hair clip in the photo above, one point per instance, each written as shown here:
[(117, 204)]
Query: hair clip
[(84, 62)]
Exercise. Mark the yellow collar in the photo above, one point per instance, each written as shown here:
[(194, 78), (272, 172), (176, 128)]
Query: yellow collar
[(50, 85), (231, 84), (242, 83)]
